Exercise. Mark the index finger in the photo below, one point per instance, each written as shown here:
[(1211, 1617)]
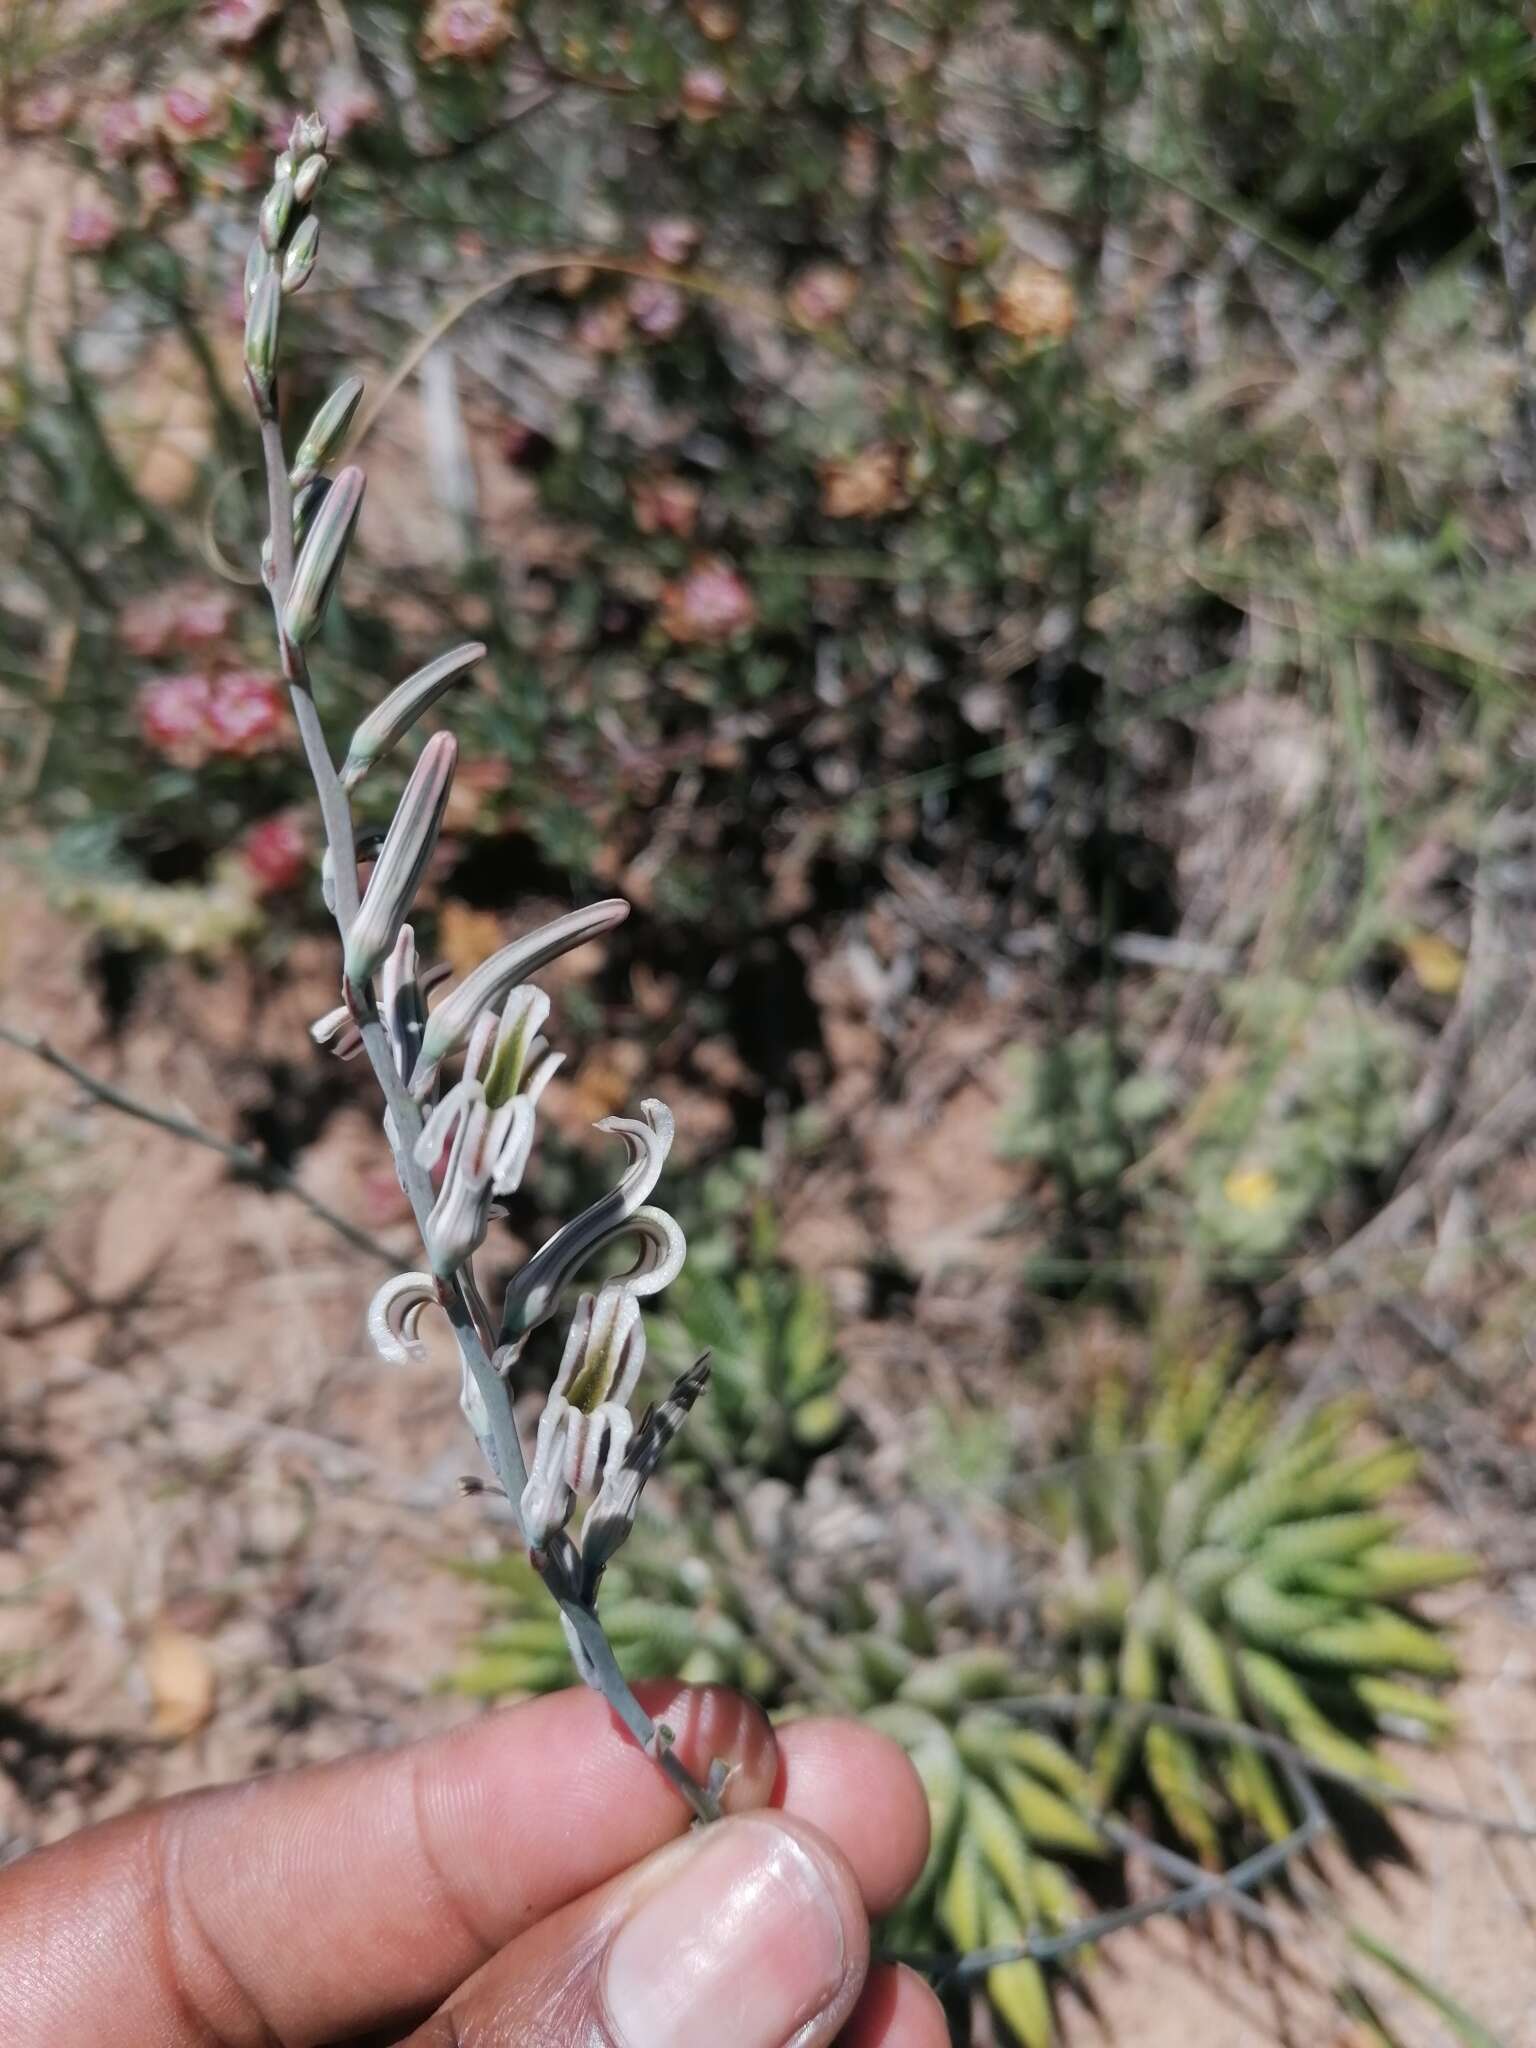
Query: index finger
[(334, 1899)]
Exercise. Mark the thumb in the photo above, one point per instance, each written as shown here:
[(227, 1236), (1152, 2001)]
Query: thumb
[(750, 1933)]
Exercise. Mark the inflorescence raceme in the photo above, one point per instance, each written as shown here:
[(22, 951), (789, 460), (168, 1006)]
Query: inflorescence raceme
[(462, 1146)]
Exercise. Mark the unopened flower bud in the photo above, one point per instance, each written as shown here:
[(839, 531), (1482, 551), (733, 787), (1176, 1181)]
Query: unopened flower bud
[(261, 326), (402, 860), (308, 178), (307, 501), (452, 1021), (301, 256), (257, 264), (276, 213), (327, 430), (389, 721), (308, 137), (324, 550)]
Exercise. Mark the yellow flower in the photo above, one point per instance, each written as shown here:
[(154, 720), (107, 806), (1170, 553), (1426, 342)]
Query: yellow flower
[(1250, 1187), (1436, 965)]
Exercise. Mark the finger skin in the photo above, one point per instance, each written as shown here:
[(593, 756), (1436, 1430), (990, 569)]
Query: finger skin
[(897, 2010), (865, 1795), (558, 1983), (333, 1899)]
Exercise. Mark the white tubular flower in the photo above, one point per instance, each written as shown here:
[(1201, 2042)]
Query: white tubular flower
[(394, 1317), (461, 1215), (586, 1426), (507, 1066), (534, 1292)]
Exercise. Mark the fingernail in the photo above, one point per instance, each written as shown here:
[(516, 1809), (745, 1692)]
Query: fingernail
[(743, 1946)]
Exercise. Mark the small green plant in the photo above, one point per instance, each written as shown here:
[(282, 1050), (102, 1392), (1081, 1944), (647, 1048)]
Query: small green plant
[(1216, 1557), (1324, 1104), (768, 1329), (1082, 1111), (1222, 1555)]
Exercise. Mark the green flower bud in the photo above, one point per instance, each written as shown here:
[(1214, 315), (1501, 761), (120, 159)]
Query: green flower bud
[(402, 860), (276, 213), (301, 255), (261, 326), (308, 136), (327, 430), (257, 264), (399, 711), (308, 178)]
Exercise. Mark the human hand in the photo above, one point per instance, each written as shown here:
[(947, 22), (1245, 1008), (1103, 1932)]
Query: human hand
[(528, 1881)]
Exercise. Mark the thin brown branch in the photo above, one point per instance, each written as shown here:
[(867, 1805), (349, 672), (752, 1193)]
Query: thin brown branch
[(249, 1164)]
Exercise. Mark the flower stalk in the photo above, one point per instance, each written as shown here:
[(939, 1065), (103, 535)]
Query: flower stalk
[(479, 1131)]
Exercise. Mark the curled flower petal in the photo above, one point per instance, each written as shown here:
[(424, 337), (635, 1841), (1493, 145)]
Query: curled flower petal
[(394, 1316), (338, 1031), (451, 1022), (533, 1292)]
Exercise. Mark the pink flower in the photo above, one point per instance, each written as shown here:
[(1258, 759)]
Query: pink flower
[(246, 713), (673, 240), (173, 717), (121, 128), (233, 23), (275, 853), (190, 616), (144, 625), (189, 111), (708, 605), (823, 293), (45, 111), (657, 309), (159, 185), (603, 327), (202, 615), (347, 103), (466, 29), (91, 227), (705, 93), (665, 504)]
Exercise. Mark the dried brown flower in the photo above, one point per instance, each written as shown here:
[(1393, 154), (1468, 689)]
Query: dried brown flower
[(866, 485), (1036, 303)]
